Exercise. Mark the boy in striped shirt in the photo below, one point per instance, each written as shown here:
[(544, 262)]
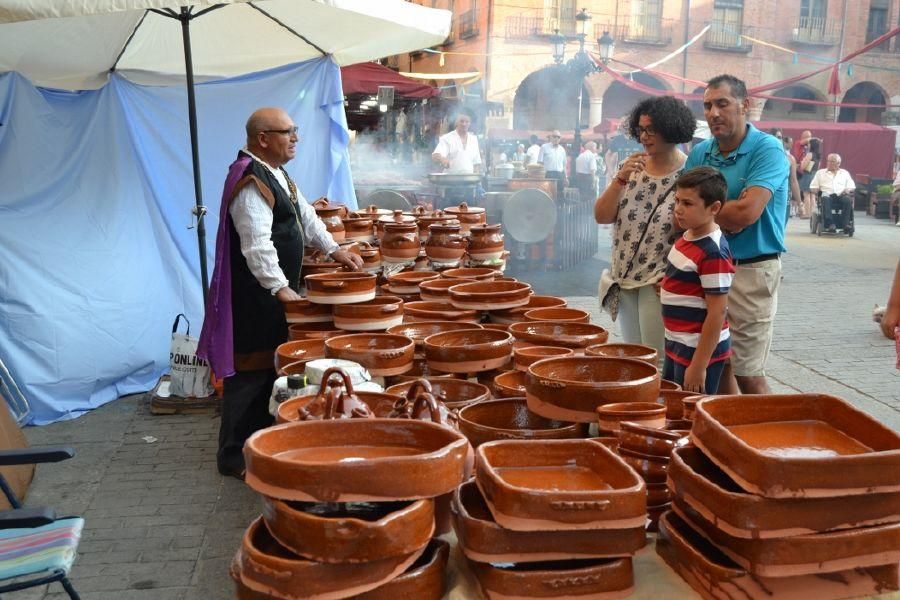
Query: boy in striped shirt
[(695, 287)]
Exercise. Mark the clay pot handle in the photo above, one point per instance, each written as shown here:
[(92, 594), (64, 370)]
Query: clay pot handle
[(463, 206), (557, 385), (391, 354), (326, 376), (332, 398), (419, 386), (333, 284), (422, 401), (261, 568), (321, 202), (365, 245)]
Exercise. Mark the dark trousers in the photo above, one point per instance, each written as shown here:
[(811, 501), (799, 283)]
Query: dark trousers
[(245, 410), (585, 184), (560, 177), (674, 371), (829, 202)]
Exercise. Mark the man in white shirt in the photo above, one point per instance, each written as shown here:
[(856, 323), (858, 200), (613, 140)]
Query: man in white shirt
[(553, 157), (458, 150), (533, 152), (836, 185), (586, 172), (264, 224)]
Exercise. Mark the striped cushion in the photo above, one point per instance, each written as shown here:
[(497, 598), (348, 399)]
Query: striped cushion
[(33, 550)]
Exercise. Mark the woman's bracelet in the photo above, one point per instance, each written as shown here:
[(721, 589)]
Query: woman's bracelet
[(622, 181)]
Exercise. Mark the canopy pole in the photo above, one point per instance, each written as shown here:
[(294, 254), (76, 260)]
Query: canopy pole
[(199, 210)]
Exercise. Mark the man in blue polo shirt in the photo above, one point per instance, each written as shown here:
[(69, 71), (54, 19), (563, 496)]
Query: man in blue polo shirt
[(753, 218)]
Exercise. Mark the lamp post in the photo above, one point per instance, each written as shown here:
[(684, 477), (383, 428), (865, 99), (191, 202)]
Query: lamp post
[(559, 46)]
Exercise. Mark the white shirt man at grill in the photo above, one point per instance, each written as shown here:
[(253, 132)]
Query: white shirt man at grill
[(458, 150)]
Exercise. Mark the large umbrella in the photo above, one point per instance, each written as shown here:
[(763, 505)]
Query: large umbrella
[(74, 45)]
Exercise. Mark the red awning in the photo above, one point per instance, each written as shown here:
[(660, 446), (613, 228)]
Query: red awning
[(364, 78)]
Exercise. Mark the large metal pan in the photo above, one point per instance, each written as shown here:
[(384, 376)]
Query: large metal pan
[(454, 178)]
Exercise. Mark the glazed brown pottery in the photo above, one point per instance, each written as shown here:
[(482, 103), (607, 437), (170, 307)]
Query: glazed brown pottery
[(468, 350), (672, 400), (551, 333), (804, 445), (482, 540), (424, 580), (555, 485), (374, 315), (359, 227), (418, 331), (571, 388), (471, 274), (636, 351), (399, 242), (489, 295), (509, 419), (312, 331), (355, 460), (371, 256), (651, 468), (407, 282), (713, 575), (514, 315), (350, 533), (524, 357), (380, 404), (455, 394), (343, 287), (657, 494), (649, 414), (485, 242), (382, 354), (419, 370), (689, 404), (290, 352), (585, 579), (387, 290), (801, 554), (267, 567), (650, 440), (437, 290), (710, 492), (294, 368), (437, 311), (438, 217), (665, 384), (467, 215), (560, 314), (653, 515), (310, 267), (304, 311), (510, 384), (330, 214), (610, 442)]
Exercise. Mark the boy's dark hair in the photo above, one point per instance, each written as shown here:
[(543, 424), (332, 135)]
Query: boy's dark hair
[(709, 183), (671, 118), (738, 87)]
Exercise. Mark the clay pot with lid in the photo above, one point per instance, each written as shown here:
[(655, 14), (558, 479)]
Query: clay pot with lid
[(396, 217), (373, 315), (331, 214), (438, 217), (467, 216), (359, 227), (400, 242), (445, 243), (485, 242), (509, 419), (381, 354), (343, 287)]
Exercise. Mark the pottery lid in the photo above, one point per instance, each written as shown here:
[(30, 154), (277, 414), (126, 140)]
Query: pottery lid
[(484, 227), (397, 217), (373, 210), (465, 208)]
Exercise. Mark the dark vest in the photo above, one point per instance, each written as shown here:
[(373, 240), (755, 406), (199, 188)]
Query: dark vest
[(259, 322)]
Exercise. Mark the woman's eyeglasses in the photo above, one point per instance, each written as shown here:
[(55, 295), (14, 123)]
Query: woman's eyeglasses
[(292, 131), (648, 130)]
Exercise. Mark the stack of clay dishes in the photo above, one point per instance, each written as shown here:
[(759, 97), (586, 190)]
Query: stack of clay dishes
[(510, 419), (550, 519), (437, 311), (577, 336), (437, 290), (312, 331), (342, 287), (407, 282), (468, 350), (417, 331), (382, 354), (559, 314), (304, 311), (293, 352), (647, 354), (571, 388), (524, 356), (455, 394), (798, 492), (377, 314), (348, 508), (490, 295), (471, 274), (514, 315)]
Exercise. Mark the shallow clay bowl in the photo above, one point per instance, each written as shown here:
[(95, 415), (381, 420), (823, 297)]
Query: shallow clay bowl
[(419, 330), (424, 580), (437, 290), (559, 314), (454, 393), (490, 295), (343, 287), (350, 533), (665, 384), (509, 419), (382, 354), (571, 579), (636, 351), (387, 290), (571, 388), (767, 446), (689, 405), (706, 569), (407, 282), (268, 567), (651, 468), (649, 414), (312, 331), (419, 370), (380, 404), (525, 356), (510, 384), (373, 315), (470, 274), (391, 459), (304, 311), (437, 311), (650, 440), (482, 540), (468, 350), (290, 352), (514, 315), (552, 333), (555, 485), (294, 368), (709, 491)]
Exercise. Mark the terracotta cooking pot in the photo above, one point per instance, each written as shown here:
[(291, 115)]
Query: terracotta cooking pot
[(648, 354), (473, 273), (485, 242), (561, 314), (467, 215), (509, 419), (400, 242), (445, 243), (381, 354), (648, 414), (468, 350), (343, 287), (374, 315)]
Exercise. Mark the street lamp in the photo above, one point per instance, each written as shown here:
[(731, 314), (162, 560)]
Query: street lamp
[(559, 46), (606, 45), (582, 18), (580, 66)]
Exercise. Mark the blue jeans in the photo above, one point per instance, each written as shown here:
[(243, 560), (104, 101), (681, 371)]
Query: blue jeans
[(674, 371)]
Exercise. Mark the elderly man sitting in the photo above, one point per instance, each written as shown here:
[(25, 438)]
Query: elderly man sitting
[(836, 185)]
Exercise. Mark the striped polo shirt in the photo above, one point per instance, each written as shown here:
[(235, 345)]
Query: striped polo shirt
[(695, 268)]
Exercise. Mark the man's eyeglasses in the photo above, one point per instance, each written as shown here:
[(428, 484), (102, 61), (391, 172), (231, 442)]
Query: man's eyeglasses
[(648, 130), (292, 131)]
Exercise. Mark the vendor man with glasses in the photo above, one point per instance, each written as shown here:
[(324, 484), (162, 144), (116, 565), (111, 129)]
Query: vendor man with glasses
[(264, 224)]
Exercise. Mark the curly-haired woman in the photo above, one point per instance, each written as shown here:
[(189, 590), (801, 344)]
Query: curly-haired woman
[(639, 201)]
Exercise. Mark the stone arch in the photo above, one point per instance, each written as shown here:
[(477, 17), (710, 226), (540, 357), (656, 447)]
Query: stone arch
[(619, 99), (786, 110), (546, 99), (864, 92)]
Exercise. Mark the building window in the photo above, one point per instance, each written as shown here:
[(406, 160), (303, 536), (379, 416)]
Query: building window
[(878, 19), (560, 14), (727, 24), (646, 19)]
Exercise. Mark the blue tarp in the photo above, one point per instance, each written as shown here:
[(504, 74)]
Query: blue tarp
[(96, 257)]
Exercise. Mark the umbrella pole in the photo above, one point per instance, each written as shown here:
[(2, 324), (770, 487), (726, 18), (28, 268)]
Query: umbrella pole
[(199, 210)]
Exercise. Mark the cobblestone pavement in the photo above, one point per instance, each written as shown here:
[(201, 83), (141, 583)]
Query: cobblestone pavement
[(162, 524)]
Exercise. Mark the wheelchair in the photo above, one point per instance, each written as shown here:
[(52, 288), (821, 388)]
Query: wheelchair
[(817, 217)]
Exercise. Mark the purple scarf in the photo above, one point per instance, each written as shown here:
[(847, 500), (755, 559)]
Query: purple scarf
[(217, 336)]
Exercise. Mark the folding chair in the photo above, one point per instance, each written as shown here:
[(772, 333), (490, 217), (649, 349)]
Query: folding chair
[(36, 547)]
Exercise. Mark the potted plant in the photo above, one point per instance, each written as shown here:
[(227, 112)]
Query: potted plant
[(882, 204)]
